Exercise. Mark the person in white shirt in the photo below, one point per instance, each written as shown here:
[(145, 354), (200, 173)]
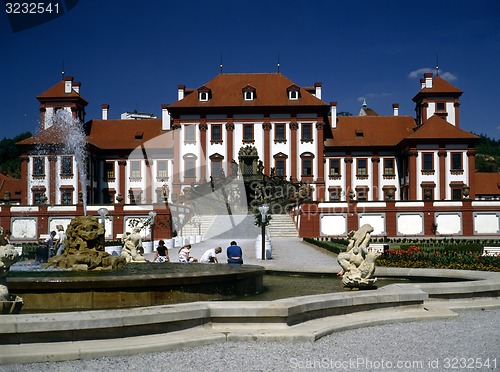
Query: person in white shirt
[(60, 243), (185, 254), (211, 255)]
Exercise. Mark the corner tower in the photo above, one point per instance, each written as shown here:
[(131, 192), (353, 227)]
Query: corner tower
[(437, 97), (65, 95)]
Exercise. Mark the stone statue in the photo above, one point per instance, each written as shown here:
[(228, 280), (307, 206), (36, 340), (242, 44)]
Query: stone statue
[(8, 304), (85, 248), (260, 167), (358, 265), (165, 192), (132, 243)]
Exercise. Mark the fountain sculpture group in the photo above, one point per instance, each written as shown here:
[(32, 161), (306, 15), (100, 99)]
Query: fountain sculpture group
[(358, 264), (85, 248), (10, 304)]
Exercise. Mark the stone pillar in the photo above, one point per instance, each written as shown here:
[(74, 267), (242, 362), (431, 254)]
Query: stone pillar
[(203, 143), (121, 176), (471, 157), (24, 186), (442, 175), (266, 126), (375, 184), (149, 183), (412, 174), (293, 148), (51, 194), (176, 189), (320, 162), (348, 176), (230, 139), (457, 113)]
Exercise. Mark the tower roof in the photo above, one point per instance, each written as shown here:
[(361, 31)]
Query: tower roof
[(439, 86), (438, 128)]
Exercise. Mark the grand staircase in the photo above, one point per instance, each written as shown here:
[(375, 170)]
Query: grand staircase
[(282, 226), (240, 226)]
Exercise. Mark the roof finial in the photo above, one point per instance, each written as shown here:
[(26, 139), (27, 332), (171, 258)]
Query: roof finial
[(62, 72), (437, 65), (278, 62), (220, 66)]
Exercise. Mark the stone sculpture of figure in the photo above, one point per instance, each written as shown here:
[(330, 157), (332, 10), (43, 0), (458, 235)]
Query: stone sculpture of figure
[(165, 191), (358, 265), (131, 245), (8, 257), (260, 167)]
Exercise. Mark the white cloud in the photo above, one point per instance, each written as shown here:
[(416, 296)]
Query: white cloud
[(448, 76), (418, 73)]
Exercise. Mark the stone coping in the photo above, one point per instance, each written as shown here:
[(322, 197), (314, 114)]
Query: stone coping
[(306, 317)]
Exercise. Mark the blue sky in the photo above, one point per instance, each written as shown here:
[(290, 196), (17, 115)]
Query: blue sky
[(133, 54)]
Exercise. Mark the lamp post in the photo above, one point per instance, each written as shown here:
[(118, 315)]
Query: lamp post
[(181, 220), (152, 216), (103, 212), (263, 212)]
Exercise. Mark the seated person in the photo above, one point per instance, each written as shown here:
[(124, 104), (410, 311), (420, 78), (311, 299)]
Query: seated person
[(211, 255), (185, 254), (162, 252), (234, 254)]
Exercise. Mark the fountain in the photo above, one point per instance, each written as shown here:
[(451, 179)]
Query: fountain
[(75, 143), (10, 304)]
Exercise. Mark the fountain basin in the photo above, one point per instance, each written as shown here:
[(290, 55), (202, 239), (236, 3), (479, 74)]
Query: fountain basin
[(141, 284)]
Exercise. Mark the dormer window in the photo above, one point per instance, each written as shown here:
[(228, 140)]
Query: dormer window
[(204, 94), (293, 92), (249, 93)]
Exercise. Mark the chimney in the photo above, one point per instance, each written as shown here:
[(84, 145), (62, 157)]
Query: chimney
[(76, 87), (105, 108), (395, 109), (422, 83), (318, 90), (333, 113), (180, 91), (428, 79), (68, 84), (165, 118)]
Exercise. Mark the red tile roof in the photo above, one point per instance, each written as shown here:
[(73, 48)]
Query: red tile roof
[(436, 127), (45, 137), (364, 131), (58, 91), (121, 134), (487, 183), (111, 134), (270, 90), (439, 85)]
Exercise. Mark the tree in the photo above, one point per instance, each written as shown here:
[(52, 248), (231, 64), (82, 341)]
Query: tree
[(487, 155), (10, 161)]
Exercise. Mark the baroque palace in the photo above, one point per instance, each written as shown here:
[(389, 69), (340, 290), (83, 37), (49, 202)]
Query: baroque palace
[(406, 176)]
